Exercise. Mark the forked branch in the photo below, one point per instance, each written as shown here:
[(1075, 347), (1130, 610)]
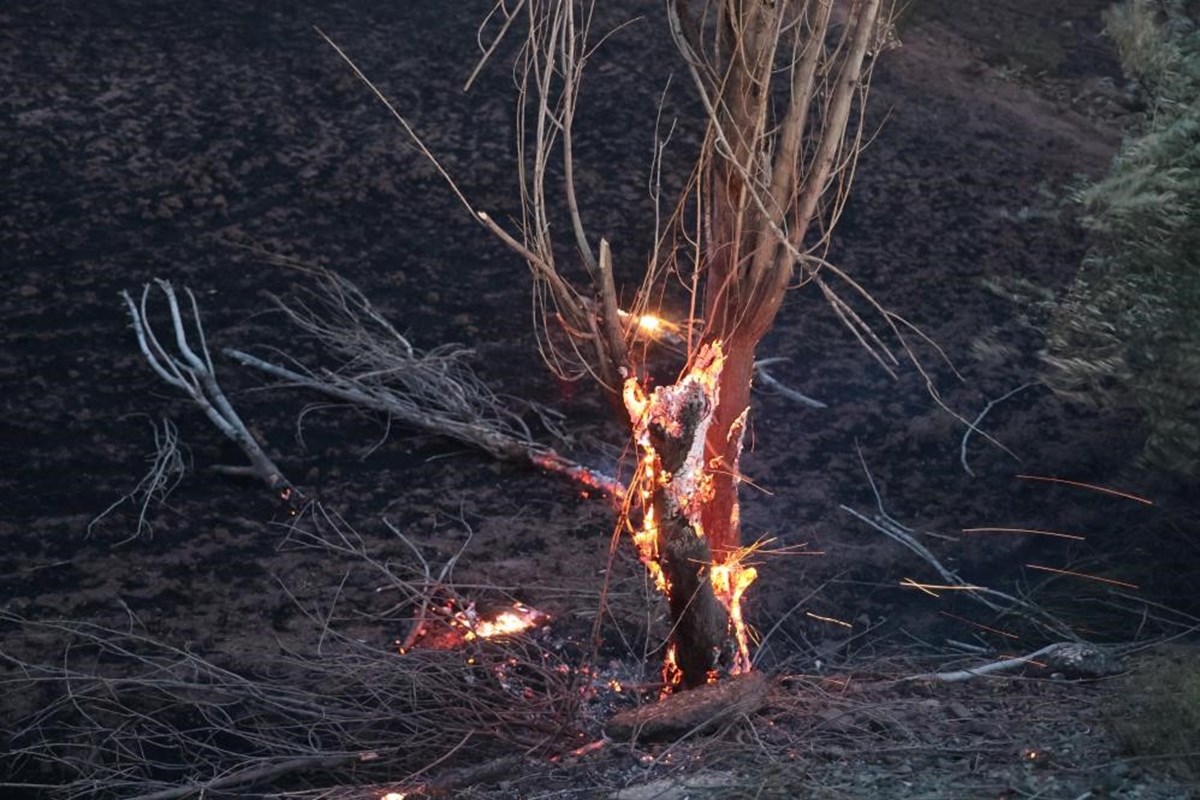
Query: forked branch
[(193, 374)]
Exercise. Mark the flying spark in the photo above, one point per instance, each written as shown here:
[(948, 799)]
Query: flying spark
[(996, 631), (1037, 531), (932, 589), (1085, 576), (1091, 486)]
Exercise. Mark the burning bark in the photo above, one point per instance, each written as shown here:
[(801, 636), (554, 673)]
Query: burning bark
[(674, 487)]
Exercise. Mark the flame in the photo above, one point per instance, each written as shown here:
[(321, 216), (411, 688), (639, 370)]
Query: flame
[(652, 326), (506, 623), (730, 580)]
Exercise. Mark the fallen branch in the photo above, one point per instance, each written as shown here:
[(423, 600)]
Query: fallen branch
[(262, 773), (694, 711), (499, 444), (428, 390), (194, 375), (767, 379), (1072, 659)]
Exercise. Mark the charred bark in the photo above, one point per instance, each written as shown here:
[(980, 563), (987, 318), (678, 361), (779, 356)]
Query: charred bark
[(701, 631)]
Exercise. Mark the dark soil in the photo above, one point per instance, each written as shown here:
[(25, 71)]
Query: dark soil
[(212, 143)]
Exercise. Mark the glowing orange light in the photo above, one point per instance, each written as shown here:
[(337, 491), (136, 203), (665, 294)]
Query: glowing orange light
[(687, 490), (650, 323), (730, 581), (506, 623), (394, 796), (1092, 486), (1036, 531), (1085, 576)]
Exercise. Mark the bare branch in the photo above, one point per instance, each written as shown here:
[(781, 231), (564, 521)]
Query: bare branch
[(195, 377), (167, 468)]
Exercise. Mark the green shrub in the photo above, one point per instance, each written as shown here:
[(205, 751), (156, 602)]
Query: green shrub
[(1154, 712), (1127, 333)]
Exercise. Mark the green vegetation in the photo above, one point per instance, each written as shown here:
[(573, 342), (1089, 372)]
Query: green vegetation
[(1156, 713), (1127, 332)]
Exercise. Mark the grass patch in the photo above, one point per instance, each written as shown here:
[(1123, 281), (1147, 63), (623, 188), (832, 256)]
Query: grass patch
[(1156, 714)]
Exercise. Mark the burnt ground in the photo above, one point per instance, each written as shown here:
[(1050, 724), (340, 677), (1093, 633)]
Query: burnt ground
[(210, 143)]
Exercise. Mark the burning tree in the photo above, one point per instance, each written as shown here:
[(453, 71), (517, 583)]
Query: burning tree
[(781, 83)]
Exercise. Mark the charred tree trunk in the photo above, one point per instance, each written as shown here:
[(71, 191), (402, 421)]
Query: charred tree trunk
[(701, 625), (676, 487)]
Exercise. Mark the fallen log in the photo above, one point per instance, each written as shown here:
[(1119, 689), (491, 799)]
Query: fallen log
[(695, 711)]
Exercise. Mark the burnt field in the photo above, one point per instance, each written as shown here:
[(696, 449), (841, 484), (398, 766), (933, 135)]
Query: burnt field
[(226, 148)]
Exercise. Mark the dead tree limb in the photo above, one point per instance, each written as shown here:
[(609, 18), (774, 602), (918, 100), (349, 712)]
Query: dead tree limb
[(975, 423), (168, 466), (1071, 659), (769, 380), (193, 374)]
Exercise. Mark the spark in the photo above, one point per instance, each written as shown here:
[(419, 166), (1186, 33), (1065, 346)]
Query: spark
[(832, 620), (1091, 486), (1085, 576), (932, 589), (394, 796), (1037, 531), (990, 629)]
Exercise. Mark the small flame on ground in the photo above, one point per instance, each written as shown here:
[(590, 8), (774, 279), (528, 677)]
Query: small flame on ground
[(506, 623)]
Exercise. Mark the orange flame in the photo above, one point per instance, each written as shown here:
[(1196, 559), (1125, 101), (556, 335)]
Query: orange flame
[(506, 623)]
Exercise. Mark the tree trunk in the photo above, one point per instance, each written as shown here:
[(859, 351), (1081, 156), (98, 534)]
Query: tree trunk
[(677, 486), (720, 516)]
